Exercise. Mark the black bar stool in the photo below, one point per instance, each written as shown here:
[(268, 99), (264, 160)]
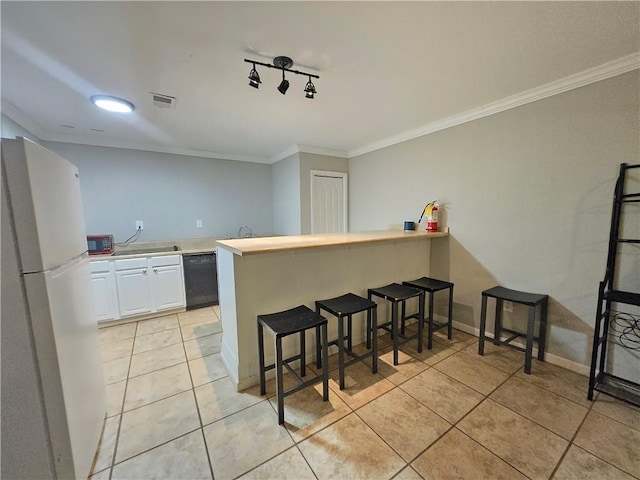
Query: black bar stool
[(431, 285), (281, 324), (343, 307), (531, 300), (396, 293)]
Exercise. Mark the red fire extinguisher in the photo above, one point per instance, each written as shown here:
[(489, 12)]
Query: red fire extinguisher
[(431, 212)]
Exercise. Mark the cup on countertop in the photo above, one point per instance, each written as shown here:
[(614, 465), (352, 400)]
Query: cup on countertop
[(409, 226)]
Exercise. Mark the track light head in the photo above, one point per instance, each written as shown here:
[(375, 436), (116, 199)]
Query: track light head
[(254, 77), (310, 89), (284, 86)]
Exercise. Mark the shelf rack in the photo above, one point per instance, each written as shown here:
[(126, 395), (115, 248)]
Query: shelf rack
[(614, 326)]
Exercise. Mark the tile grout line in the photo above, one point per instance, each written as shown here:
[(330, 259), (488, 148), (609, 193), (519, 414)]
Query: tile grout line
[(588, 451), (195, 399), (575, 434), (124, 396), (454, 425), (122, 412)]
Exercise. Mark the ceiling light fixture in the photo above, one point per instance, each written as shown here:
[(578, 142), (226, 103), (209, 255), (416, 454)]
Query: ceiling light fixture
[(282, 63), (112, 104)]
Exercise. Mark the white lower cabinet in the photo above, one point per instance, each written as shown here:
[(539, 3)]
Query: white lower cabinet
[(167, 282), (134, 287), (131, 287), (103, 285)]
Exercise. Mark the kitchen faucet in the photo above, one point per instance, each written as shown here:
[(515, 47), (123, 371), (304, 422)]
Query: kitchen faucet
[(245, 232)]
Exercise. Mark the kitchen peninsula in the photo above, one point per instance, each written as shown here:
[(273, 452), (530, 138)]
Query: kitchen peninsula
[(270, 274)]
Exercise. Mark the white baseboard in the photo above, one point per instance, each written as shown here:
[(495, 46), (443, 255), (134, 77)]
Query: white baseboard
[(549, 357)]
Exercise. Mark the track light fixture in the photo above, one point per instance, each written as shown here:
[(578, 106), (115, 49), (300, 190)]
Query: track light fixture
[(284, 64)]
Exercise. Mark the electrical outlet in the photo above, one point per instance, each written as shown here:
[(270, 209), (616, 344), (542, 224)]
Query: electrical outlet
[(507, 306), (198, 223), (139, 225)]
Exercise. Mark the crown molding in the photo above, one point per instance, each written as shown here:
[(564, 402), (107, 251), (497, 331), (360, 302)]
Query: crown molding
[(153, 148), (293, 149), (18, 116), (587, 77), (322, 151)]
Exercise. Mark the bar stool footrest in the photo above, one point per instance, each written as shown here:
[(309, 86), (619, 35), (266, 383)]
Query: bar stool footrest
[(389, 328), (435, 325)]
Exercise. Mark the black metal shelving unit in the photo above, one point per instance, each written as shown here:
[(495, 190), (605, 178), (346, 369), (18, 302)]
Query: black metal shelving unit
[(613, 324)]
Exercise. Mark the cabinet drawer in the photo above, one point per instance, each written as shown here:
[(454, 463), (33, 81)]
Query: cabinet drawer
[(99, 266), (129, 263), (166, 260)]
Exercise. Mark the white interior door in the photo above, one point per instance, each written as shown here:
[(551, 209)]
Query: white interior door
[(328, 202)]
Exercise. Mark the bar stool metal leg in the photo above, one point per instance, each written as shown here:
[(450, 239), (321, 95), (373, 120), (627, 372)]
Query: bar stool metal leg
[(341, 351), (497, 326), (263, 386), (318, 344), (394, 330), (529, 346), (372, 324), (450, 326), (430, 326), (542, 336), (325, 368), (483, 324), (303, 355), (421, 322), (279, 380)]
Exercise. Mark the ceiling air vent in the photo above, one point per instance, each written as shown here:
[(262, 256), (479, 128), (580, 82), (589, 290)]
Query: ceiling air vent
[(163, 101)]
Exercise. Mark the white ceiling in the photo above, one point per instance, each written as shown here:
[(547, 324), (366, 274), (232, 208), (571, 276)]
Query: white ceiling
[(388, 70)]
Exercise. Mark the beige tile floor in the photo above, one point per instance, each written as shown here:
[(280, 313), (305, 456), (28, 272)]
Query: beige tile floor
[(443, 413)]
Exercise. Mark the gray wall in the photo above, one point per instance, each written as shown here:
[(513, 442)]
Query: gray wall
[(286, 196), (308, 162), (527, 195), (169, 193), (292, 190)]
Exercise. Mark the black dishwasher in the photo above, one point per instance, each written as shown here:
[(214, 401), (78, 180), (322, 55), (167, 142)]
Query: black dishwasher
[(200, 279)]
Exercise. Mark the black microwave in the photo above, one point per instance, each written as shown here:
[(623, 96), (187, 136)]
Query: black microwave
[(100, 244)]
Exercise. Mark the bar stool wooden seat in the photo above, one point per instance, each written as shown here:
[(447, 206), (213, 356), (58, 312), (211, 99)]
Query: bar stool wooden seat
[(344, 307), (396, 293), (281, 324), (431, 286), (531, 300)]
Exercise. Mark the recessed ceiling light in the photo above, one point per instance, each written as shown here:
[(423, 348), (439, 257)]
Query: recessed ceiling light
[(112, 104)]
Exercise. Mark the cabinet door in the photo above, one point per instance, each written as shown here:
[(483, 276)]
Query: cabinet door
[(134, 292), (168, 287), (105, 299)]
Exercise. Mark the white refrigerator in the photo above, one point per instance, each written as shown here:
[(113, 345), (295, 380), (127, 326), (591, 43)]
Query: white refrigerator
[(53, 399)]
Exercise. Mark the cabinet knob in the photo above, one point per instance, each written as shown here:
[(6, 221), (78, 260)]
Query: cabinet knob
[(155, 270), (144, 271)]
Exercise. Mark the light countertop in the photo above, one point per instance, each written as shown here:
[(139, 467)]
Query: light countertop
[(258, 245)]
